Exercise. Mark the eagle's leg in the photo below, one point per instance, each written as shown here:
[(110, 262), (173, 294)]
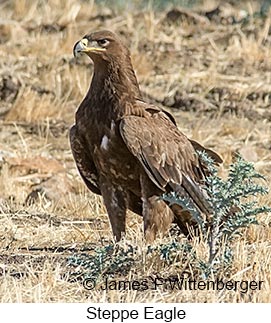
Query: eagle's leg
[(116, 205), (157, 216)]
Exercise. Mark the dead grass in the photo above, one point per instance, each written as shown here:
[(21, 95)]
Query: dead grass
[(215, 74)]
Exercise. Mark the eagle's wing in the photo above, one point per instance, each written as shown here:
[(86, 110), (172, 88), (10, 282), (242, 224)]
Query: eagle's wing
[(166, 154), (84, 163), (210, 153), (197, 146)]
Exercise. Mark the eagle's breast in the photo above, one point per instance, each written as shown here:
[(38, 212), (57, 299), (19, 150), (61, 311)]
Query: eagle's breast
[(113, 159)]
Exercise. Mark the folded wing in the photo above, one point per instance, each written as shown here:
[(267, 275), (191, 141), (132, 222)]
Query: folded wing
[(167, 155), (84, 163)]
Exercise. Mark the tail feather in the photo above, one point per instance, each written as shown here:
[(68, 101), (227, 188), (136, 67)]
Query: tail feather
[(192, 191), (197, 195)]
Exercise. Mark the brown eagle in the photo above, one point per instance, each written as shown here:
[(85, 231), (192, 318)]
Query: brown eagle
[(129, 151)]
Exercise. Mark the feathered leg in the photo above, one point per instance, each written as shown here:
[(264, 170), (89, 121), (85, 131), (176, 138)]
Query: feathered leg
[(157, 216), (116, 205)]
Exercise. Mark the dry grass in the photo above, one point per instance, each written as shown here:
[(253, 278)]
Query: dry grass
[(216, 75)]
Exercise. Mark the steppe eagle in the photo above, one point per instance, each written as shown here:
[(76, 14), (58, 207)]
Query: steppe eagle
[(129, 151)]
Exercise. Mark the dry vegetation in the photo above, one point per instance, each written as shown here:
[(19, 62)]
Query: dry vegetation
[(211, 71)]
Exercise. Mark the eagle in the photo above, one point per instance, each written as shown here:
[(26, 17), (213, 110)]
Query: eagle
[(132, 152)]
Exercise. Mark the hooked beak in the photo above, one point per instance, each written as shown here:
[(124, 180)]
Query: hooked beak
[(82, 46)]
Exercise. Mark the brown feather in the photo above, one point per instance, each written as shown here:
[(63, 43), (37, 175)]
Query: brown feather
[(129, 151)]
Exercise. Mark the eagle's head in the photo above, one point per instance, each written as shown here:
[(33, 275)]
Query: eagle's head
[(112, 61), (101, 46)]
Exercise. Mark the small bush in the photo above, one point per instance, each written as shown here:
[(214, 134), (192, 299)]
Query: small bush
[(234, 206)]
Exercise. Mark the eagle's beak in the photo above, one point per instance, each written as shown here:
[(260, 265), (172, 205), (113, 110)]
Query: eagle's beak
[(82, 47)]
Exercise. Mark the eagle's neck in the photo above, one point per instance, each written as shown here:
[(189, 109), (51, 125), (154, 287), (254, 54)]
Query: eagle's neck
[(114, 88)]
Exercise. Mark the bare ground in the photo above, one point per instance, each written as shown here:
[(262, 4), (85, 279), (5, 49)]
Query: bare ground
[(211, 69)]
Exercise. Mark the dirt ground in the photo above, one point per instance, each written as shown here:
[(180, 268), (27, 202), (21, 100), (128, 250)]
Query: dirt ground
[(210, 66)]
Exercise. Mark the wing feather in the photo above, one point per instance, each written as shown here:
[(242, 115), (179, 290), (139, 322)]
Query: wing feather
[(84, 163), (166, 154)]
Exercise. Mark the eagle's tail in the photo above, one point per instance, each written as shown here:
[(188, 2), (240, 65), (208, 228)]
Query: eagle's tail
[(191, 190), (197, 195)]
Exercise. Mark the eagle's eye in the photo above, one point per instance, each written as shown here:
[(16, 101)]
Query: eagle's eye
[(103, 42)]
